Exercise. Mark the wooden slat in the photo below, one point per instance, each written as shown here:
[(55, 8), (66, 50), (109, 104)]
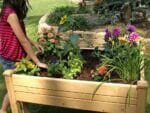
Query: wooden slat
[(111, 89), (75, 103), (15, 107), (102, 98), (142, 87)]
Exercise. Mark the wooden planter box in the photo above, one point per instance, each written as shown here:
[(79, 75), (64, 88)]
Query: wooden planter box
[(77, 94), (109, 97)]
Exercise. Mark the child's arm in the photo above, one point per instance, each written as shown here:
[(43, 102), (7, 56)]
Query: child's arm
[(37, 46), (14, 23)]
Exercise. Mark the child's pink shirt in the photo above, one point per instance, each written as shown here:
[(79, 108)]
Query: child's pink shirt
[(10, 47)]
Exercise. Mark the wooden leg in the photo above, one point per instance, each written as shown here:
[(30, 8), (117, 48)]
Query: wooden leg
[(142, 87), (15, 106)]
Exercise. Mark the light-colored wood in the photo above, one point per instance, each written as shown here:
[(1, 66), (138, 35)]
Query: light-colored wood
[(15, 106), (142, 87), (76, 103), (109, 97), (75, 95), (77, 86)]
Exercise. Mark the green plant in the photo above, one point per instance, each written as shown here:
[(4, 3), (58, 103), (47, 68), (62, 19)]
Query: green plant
[(74, 22), (96, 54), (27, 67), (123, 54), (50, 38), (70, 64), (55, 16), (111, 11)]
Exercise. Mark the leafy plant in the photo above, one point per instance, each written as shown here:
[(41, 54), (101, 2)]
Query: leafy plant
[(111, 11), (96, 54), (50, 38), (70, 63), (27, 67), (123, 53), (74, 22), (55, 16)]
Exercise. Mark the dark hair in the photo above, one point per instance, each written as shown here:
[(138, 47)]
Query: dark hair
[(20, 6)]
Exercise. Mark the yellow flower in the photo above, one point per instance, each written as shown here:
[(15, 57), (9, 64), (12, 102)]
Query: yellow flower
[(30, 65), (17, 64), (123, 40), (63, 19)]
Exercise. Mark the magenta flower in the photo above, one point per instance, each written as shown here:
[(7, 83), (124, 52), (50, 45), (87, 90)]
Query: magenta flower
[(130, 28), (133, 37), (107, 34), (116, 32)]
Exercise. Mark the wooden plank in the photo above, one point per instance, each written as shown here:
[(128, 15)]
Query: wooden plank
[(75, 103), (15, 106), (89, 87), (142, 96), (84, 96)]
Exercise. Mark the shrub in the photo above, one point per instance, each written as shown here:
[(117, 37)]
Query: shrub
[(74, 22), (55, 16)]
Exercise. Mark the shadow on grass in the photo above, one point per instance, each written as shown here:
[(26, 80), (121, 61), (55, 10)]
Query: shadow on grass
[(50, 109), (148, 108), (30, 20)]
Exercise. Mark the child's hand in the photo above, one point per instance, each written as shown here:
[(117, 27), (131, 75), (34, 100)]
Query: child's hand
[(42, 65), (39, 47)]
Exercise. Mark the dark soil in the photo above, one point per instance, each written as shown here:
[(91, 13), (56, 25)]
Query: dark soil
[(89, 65)]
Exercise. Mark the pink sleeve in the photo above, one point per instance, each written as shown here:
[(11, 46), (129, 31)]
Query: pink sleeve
[(6, 12)]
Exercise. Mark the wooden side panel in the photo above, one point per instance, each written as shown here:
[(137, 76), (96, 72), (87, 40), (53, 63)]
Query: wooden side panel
[(76, 103), (77, 86), (111, 98), (75, 95)]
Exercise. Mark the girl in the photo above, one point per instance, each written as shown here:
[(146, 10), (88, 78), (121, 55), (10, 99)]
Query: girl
[(14, 43)]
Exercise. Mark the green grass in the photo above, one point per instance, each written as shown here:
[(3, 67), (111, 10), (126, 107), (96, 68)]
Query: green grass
[(39, 8)]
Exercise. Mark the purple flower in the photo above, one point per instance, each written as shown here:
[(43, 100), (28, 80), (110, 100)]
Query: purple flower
[(107, 34), (116, 32), (133, 37), (130, 28)]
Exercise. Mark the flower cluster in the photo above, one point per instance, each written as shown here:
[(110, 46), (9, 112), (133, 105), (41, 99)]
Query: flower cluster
[(49, 34), (132, 37), (26, 66), (122, 56), (122, 52), (50, 39)]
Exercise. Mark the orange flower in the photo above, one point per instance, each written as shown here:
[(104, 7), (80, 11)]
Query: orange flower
[(102, 70)]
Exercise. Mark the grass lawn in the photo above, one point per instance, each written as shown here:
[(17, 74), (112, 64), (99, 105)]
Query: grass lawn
[(39, 8)]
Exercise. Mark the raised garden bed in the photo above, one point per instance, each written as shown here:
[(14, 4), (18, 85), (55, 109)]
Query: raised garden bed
[(77, 94)]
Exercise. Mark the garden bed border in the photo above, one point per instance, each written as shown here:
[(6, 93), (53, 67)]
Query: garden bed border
[(109, 97)]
